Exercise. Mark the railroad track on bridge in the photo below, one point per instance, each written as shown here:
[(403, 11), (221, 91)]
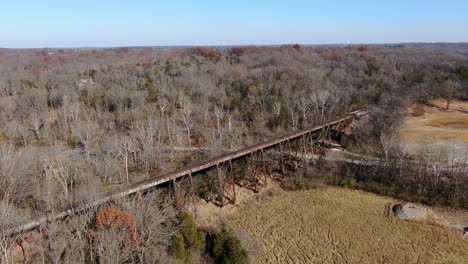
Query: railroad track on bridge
[(223, 160)]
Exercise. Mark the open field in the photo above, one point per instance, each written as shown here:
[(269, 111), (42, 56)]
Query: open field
[(335, 225), (429, 124)]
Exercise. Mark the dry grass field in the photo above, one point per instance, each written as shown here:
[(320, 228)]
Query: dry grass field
[(428, 124), (335, 225)]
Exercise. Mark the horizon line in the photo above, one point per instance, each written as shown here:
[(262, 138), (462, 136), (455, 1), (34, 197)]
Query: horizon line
[(236, 45)]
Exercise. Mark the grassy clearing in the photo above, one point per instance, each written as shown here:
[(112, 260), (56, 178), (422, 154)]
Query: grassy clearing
[(429, 125), (335, 225), (455, 105)]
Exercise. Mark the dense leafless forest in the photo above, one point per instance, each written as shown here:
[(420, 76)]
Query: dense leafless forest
[(75, 124)]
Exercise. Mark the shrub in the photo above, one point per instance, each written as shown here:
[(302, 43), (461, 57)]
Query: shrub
[(194, 239), (187, 239), (177, 247), (294, 183), (299, 184), (152, 95), (3, 136), (228, 249)]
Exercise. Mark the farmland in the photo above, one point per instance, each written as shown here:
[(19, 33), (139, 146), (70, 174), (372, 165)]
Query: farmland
[(335, 225)]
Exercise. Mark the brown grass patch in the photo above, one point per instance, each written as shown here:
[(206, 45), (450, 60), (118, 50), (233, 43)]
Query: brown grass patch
[(459, 122), (343, 226), (435, 125)]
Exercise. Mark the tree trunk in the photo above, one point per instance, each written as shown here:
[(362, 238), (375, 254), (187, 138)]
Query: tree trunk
[(126, 168), (188, 135)]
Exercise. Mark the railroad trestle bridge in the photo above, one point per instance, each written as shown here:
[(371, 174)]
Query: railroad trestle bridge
[(262, 159)]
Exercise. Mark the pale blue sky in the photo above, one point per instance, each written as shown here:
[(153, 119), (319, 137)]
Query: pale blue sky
[(104, 23)]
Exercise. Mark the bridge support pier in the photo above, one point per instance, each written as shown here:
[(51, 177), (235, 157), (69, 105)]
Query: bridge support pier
[(281, 160), (192, 190), (226, 186), (184, 191), (256, 173), (178, 196)]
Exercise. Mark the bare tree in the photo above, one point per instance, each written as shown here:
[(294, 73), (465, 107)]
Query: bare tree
[(321, 101), (146, 131), (61, 169), (125, 147), (152, 218), (291, 108), (449, 90), (88, 133), (36, 124), (112, 247), (8, 220), (185, 116), (17, 168), (218, 112), (77, 233), (304, 106), (15, 129), (277, 108), (389, 141)]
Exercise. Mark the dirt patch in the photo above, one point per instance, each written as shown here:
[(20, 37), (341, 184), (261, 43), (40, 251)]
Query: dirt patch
[(211, 216), (455, 218), (426, 124), (424, 215), (335, 225)]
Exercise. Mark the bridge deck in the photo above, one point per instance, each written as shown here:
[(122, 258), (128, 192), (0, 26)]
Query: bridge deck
[(196, 167)]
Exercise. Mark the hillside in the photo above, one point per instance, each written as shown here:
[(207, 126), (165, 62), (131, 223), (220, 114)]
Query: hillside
[(342, 226)]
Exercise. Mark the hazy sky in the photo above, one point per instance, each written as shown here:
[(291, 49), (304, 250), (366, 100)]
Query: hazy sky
[(98, 23)]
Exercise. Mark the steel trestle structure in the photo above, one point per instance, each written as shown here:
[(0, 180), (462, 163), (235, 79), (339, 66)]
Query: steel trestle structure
[(224, 171)]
